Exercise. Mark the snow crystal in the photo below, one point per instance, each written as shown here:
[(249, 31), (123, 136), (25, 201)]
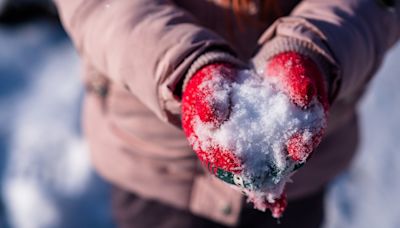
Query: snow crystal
[(261, 120)]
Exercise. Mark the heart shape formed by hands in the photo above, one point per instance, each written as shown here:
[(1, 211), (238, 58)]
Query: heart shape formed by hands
[(253, 131)]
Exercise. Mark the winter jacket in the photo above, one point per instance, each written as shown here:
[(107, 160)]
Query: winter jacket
[(136, 53)]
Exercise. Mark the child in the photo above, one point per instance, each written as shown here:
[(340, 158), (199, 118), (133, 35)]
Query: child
[(143, 58)]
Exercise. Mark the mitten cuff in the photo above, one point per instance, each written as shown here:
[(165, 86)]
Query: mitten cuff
[(208, 58)]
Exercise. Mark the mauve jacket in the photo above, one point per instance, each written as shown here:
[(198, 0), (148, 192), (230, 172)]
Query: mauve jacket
[(136, 53)]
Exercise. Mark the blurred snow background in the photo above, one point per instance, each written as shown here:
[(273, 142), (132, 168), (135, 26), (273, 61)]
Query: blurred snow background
[(45, 175), (46, 180), (368, 195)]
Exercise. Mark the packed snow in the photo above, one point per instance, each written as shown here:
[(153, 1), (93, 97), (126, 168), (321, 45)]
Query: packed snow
[(261, 121)]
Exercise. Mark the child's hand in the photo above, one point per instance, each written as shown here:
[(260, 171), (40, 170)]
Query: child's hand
[(206, 99), (254, 131), (300, 78)]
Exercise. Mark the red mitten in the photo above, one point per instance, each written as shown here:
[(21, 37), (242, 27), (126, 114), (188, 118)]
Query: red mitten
[(299, 77), (205, 100)]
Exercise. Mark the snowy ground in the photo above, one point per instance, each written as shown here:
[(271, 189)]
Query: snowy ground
[(46, 178)]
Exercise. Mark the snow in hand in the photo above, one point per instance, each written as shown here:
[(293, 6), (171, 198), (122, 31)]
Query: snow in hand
[(261, 120)]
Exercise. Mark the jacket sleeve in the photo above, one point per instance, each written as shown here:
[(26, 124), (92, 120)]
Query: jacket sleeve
[(348, 38), (144, 45)]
